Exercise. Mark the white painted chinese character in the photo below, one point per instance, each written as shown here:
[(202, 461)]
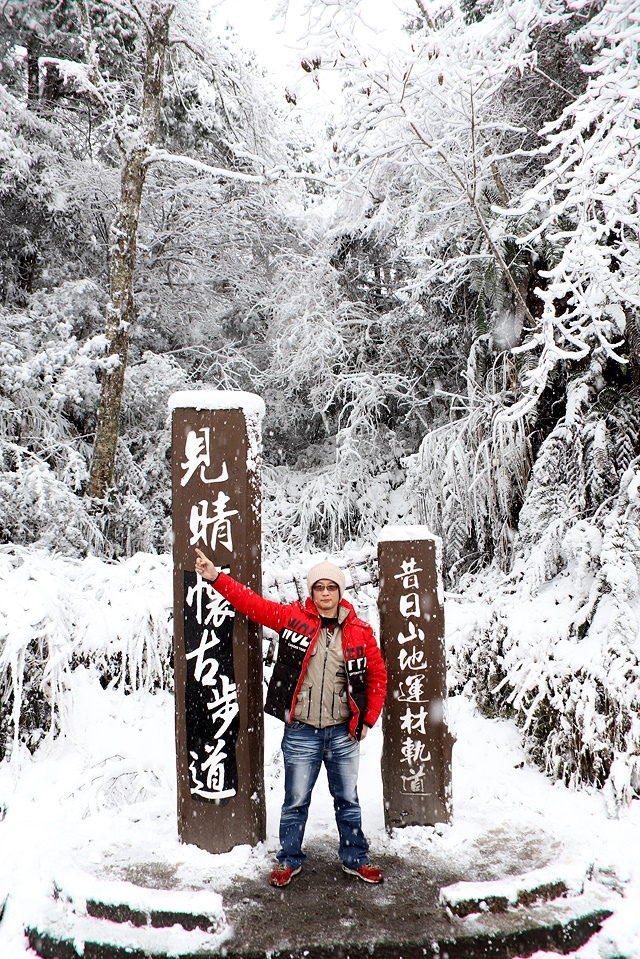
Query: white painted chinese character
[(410, 605), (413, 660), (196, 451), (220, 522), (213, 767), (409, 573), (413, 752), (414, 783), (412, 633), (217, 607), (224, 706), (414, 722), (205, 670), (412, 690)]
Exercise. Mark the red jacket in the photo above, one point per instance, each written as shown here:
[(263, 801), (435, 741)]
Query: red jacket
[(299, 626)]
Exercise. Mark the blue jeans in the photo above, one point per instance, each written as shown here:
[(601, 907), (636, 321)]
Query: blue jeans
[(305, 748)]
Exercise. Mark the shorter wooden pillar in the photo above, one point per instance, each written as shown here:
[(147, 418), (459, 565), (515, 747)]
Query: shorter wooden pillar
[(217, 652), (416, 756)]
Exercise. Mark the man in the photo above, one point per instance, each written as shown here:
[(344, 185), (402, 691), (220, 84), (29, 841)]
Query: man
[(328, 686)]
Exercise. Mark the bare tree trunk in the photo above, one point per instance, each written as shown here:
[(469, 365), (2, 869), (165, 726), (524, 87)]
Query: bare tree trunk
[(33, 71), (632, 336), (124, 235)]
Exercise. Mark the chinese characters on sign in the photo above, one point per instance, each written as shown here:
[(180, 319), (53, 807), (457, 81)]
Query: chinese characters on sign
[(417, 745), (412, 661), (217, 653), (211, 696), (207, 530)]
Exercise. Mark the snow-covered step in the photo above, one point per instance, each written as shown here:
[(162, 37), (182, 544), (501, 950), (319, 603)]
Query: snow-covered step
[(539, 885), (59, 934), (120, 901), (88, 916)]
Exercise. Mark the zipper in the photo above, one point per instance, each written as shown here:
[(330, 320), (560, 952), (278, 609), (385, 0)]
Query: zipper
[(294, 700), (324, 671)]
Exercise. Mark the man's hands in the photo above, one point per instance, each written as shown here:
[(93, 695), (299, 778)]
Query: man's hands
[(205, 567), (363, 734)]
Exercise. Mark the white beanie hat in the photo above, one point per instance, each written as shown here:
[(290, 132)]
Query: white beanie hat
[(326, 570)]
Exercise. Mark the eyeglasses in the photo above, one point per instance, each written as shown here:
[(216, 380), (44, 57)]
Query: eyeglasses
[(329, 587)]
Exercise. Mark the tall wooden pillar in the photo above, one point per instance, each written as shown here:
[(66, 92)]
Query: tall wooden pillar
[(416, 757), (217, 653)]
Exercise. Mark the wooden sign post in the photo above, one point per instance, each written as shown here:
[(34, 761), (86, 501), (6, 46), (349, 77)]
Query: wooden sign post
[(416, 757), (217, 653)]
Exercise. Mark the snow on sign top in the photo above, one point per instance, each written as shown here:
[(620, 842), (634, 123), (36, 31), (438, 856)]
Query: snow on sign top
[(392, 533), (251, 403)]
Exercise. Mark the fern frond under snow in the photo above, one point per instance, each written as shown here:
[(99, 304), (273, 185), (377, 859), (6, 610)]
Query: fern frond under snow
[(468, 479)]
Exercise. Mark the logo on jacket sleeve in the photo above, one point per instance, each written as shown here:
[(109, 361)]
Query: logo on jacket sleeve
[(356, 667), (294, 639)]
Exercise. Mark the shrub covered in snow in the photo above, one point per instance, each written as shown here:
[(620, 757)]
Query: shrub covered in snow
[(57, 614), (557, 646)]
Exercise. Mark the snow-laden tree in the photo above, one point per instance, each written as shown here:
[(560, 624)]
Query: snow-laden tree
[(112, 618), (50, 354), (39, 28), (556, 645), (48, 396), (579, 225), (586, 205), (427, 138), (446, 161), (335, 393), (559, 650), (237, 143), (46, 229), (201, 133), (431, 142), (136, 135)]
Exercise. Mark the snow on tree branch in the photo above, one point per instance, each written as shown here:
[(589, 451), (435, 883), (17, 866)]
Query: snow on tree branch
[(158, 155), (588, 199)]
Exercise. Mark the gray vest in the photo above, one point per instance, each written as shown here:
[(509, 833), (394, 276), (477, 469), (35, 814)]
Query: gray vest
[(322, 700)]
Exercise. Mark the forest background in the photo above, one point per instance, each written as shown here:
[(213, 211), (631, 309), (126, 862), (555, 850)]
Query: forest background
[(435, 291)]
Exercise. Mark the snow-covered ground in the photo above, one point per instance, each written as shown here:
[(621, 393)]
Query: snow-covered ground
[(102, 797)]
